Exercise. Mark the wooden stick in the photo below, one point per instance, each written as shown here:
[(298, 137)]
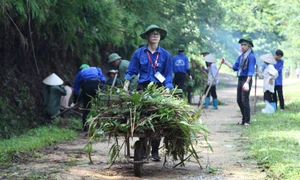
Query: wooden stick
[(255, 86), (65, 110), (113, 84)]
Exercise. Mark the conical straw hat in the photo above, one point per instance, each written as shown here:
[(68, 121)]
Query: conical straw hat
[(269, 58), (210, 58), (53, 80)]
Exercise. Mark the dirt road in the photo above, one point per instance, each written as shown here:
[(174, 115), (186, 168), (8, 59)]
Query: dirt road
[(70, 161)]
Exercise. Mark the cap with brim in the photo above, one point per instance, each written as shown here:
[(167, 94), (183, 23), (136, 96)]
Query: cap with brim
[(53, 80), (163, 33), (268, 58), (247, 39), (181, 47), (113, 57), (111, 71), (210, 58)]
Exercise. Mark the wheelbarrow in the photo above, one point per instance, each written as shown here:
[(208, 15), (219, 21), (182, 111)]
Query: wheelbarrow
[(141, 148)]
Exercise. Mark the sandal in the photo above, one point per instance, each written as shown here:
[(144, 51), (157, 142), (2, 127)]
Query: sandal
[(246, 124)]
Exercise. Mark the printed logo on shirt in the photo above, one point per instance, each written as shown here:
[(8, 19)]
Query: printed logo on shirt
[(179, 62)]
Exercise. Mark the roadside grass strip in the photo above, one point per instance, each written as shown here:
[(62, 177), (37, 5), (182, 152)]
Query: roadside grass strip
[(274, 139), (31, 141)]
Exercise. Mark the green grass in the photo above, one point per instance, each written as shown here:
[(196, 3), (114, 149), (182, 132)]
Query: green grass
[(274, 138), (33, 140)]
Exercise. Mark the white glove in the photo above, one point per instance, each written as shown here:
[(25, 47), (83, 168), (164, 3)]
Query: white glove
[(126, 85), (167, 90), (191, 77), (245, 87), (72, 105)]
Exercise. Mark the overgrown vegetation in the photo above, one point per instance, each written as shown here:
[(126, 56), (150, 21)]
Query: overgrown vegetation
[(274, 140), (38, 38)]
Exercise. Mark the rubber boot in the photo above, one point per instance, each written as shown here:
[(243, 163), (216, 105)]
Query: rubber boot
[(207, 102), (154, 152), (273, 104), (215, 103)]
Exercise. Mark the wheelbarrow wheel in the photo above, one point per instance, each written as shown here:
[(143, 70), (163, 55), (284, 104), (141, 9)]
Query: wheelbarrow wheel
[(138, 156)]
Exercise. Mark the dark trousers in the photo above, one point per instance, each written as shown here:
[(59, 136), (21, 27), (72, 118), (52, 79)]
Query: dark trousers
[(89, 88), (179, 80), (269, 96), (155, 142), (243, 99), (278, 90), (212, 92)]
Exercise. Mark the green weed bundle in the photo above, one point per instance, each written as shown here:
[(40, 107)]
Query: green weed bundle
[(152, 113)]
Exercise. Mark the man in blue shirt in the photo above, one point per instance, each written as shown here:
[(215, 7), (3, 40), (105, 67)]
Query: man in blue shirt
[(151, 61), (278, 81), (180, 67), (245, 66), (89, 79), (154, 64)]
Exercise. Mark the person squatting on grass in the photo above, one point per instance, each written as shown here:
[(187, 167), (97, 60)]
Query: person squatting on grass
[(154, 64), (269, 75), (278, 81), (245, 67)]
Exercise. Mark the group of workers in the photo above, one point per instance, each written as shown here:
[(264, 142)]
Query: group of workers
[(272, 74), (151, 63)]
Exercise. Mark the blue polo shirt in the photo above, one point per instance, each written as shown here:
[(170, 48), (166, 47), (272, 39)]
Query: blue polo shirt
[(88, 74), (180, 63), (279, 66), (249, 70), (140, 64)]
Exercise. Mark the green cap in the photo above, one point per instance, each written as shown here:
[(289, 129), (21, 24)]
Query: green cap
[(181, 47), (113, 57), (83, 66), (163, 33), (247, 39)]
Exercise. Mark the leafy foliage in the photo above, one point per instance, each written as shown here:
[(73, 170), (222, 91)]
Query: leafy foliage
[(41, 37)]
